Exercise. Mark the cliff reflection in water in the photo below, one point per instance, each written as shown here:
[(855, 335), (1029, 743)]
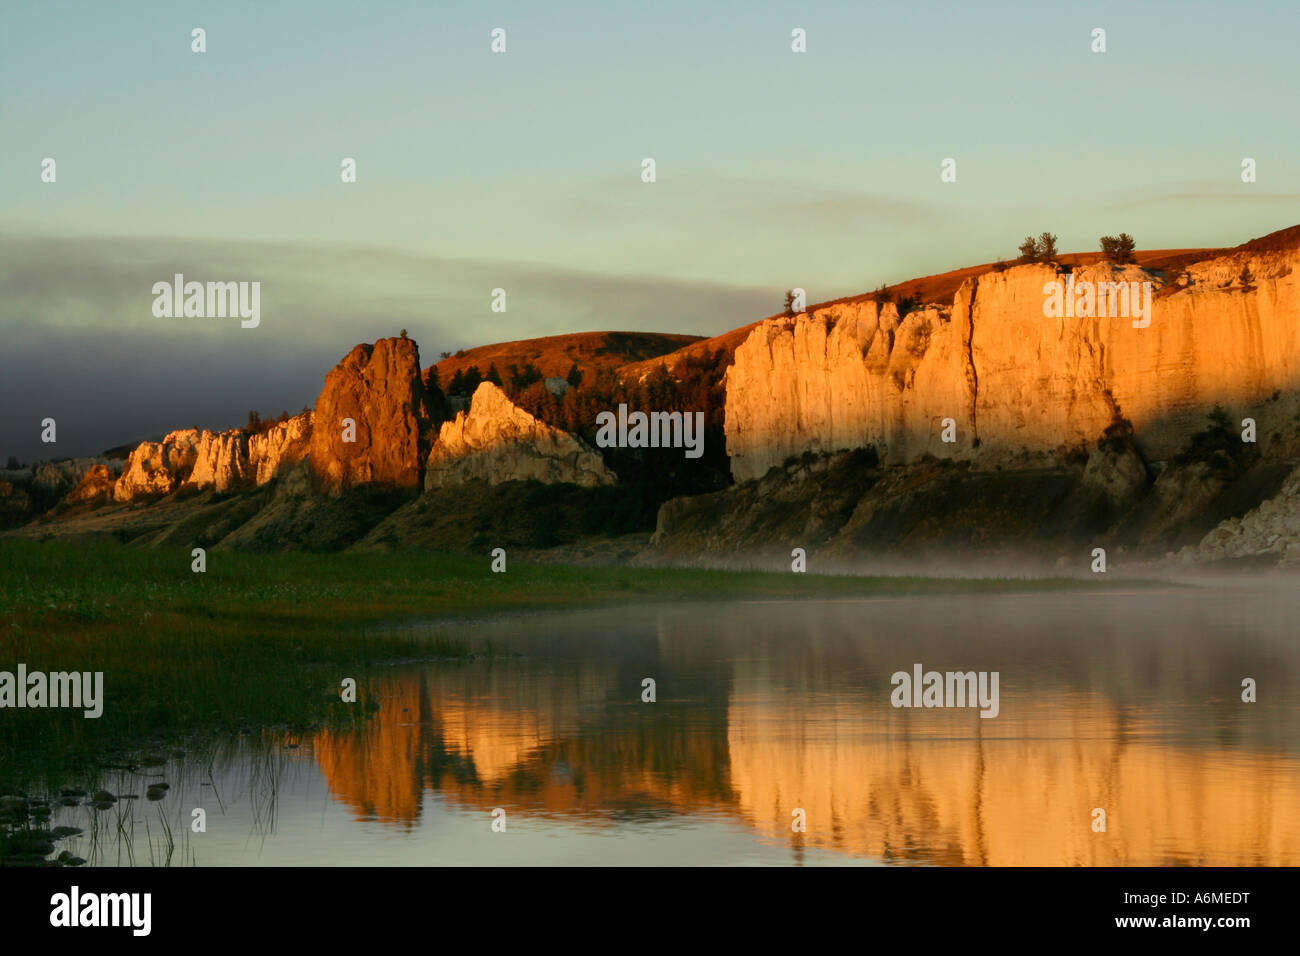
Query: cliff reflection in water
[(1125, 702)]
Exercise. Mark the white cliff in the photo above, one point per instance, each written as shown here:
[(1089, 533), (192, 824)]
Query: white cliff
[(497, 441), (158, 468), (285, 443), (1012, 380), (223, 461)]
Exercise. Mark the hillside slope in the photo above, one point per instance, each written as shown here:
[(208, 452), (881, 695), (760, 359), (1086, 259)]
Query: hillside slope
[(554, 355)]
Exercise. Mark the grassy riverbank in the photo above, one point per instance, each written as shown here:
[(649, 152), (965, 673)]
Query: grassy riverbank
[(265, 639), (95, 588)]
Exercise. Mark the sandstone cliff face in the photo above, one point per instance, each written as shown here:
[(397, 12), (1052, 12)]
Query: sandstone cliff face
[(378, 387), (1012, 380), (497, 441), (95, 487), (158, 468), (848, 376), (283, 444), (223, 461)]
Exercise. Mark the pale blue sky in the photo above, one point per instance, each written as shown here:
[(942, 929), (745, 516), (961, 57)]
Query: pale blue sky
[(522, 170)]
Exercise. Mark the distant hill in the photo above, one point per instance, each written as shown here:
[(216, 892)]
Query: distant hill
[(725, 343), (554, 355)]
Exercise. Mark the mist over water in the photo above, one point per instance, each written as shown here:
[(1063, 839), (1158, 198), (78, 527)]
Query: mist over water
[(1129, 702)]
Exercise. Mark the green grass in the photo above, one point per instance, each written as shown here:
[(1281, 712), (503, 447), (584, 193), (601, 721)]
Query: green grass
[(264, 639), (90, 589)]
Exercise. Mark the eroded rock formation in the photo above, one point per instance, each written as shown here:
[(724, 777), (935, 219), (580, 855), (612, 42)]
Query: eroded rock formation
[(498, 441), (376, 393), (158, 468), (283, 444), (1012, 380), (223, 461), (379, 390), (95, 487)]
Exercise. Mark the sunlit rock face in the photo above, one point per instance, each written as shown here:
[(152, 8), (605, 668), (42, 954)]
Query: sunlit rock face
[(221, 461), (158, 468), (376, 387), (842, 378), (284, 443), (95, 487), (497, 441), (379, 390), (1013, 379)]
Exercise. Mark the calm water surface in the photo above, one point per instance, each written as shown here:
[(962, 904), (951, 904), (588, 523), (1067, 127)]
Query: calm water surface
[(1129, 702)]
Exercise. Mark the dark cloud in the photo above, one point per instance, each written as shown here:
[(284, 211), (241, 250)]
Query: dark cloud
[(81, 344)]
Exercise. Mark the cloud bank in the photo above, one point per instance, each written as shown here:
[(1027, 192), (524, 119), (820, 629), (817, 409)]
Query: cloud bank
[(82, 346)]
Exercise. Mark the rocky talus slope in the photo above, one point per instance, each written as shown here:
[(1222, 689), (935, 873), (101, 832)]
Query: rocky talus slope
[(1269, 532)]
